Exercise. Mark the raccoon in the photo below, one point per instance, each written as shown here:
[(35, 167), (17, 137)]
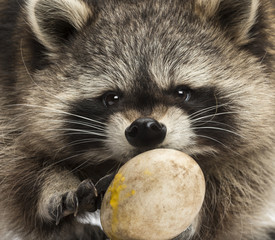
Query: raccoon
[(86, 85)]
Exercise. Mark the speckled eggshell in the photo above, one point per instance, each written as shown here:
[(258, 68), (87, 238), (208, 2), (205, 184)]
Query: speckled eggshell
[(156, 195)]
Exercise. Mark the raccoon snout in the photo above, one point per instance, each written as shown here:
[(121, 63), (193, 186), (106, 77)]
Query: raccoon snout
[(145, 132)]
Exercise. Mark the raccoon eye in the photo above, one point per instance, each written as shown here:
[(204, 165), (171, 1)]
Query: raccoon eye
[(110, 99), (184, 93)]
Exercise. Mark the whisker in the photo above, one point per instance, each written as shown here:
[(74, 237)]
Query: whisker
[(217, 124), (211, 115), (101, 158), (101, 130), (204, 110), (79, 166), (78, 123), (65, 159), (219, 129), (201, 123), (68, 131), (72, 131), (60, 111), (215, 140), (78, 142), (115, 167)]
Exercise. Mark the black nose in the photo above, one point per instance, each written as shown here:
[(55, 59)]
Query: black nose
[(145, 132)]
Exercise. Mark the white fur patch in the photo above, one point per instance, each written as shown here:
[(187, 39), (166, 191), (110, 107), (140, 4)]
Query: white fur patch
[(251, 19)]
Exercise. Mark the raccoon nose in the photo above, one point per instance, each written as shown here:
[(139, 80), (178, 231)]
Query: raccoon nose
[(145, 132)]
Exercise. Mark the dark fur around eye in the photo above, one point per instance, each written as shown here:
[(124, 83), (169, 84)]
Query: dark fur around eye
[(87, 121), (211, 117)]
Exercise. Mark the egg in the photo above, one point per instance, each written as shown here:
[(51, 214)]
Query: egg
[(155, 195)]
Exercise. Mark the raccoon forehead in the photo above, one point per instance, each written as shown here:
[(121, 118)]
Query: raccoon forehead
[(157, 77), (125, 81), (128, 60), (158, 69), (92, 86), (158, 62)]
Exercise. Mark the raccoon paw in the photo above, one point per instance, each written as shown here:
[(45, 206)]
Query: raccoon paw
[(72, 202), (86, 198)]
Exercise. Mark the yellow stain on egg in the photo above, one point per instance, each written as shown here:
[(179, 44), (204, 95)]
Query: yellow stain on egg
[(116, 188), (130, 194), (147, 172)]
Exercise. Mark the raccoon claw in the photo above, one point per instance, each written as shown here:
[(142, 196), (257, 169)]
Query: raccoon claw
[(86, 194), (68, 203), (58, 214), (72, 202), (103, 183), (102, 186)]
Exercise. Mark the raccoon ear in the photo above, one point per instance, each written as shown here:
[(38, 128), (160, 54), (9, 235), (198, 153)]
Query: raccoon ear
[(54, 21), (237, 17)]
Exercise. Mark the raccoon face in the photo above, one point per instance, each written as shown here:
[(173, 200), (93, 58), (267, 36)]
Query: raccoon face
[(125, 78)]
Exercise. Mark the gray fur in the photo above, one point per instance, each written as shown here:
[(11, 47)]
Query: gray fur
[(143, 49)]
